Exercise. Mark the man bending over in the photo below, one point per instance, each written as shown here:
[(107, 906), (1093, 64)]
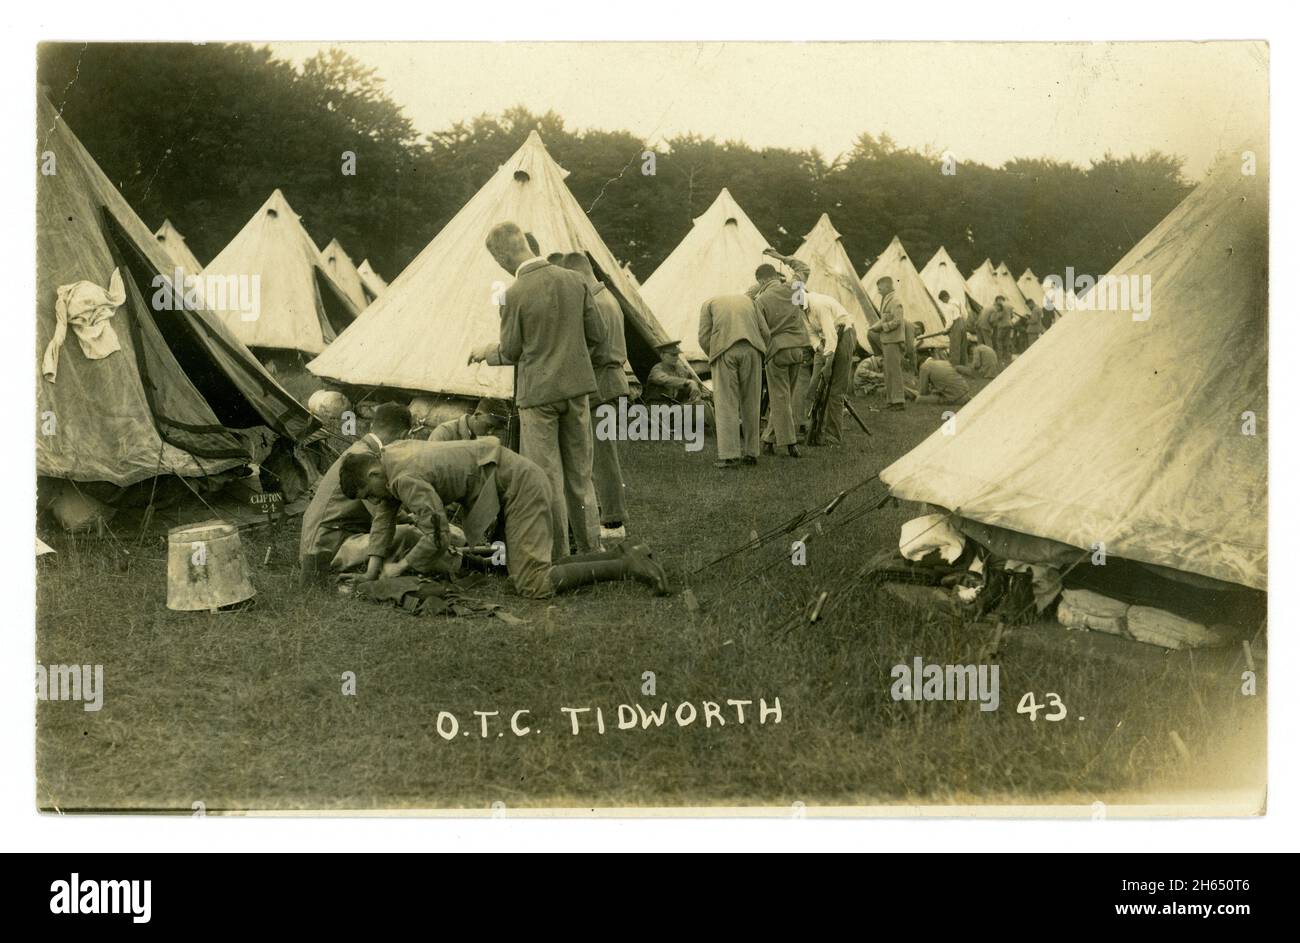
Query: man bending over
[(488, 481)]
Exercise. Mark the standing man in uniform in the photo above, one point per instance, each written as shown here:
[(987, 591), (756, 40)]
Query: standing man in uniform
[(956, 318), (781, 306), (607, 359), (734, 336), (984, 323), (1002, 319), (914, 331), (1034, 326), (549, 327), (893, 339)]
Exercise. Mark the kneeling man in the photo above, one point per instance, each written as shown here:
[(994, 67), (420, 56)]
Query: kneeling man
[(488, 481), (939, 382)]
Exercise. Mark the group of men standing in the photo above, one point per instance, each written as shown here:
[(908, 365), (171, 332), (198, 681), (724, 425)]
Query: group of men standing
[(978, 348), (1008, 332), (804, 343), (798, 339), (787, 328), (562, 333)]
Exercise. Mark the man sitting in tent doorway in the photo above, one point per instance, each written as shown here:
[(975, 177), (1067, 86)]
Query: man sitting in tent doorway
[(671, 381)]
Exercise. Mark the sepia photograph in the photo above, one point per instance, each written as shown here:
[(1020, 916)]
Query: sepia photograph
[(783, 429)]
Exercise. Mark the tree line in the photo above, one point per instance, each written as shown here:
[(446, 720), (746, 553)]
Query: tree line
[(202, 134)]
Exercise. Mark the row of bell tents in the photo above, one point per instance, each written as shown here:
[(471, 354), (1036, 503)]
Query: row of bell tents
[(310, 298), (719, 255), (360, 283), (1135, 405)]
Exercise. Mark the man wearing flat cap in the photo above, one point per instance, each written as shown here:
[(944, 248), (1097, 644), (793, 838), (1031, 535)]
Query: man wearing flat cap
[(788, 349)]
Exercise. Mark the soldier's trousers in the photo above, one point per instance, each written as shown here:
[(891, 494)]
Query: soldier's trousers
[(526, 506), (893, 373), (782, 380), (557, 437), (737, 398), (607, 474)]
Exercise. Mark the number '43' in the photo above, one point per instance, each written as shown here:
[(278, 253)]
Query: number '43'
[(1029, 705)]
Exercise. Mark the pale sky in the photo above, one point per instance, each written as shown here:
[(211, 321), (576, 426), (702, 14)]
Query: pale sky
[(985, 102)]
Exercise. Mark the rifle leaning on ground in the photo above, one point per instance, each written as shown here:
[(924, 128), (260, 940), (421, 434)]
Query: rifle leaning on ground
[(821, 406), (854, 413), (821, 399)]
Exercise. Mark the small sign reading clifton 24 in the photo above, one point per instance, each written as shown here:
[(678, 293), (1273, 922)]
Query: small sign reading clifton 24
[(268, 501)]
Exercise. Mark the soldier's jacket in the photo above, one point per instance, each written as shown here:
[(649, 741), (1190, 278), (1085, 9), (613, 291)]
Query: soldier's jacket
[(726, 321), (453, 430), (669, 382), (784, 318), (1034, 321), (893, 326), (610, 353), (985, 319), (940, 377), (549, 327), (423, 477), (984, 361)]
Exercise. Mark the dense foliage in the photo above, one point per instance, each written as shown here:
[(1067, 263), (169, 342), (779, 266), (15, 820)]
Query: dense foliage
[(203, 133)]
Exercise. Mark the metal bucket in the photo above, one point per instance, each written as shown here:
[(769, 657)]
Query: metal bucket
[(205, 567)]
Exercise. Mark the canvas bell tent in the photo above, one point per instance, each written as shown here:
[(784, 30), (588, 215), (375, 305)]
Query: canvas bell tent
[(296, 305), (983, 284), (174, 244), (918, 304), (1143, 429), (941, 274), (1030, 287), (1008, 287), (339, 264), (833, 274), (417, 336), (133, 382), (373, 281), (717, 257)]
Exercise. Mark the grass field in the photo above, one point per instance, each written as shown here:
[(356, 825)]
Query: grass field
[(246, 711)]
